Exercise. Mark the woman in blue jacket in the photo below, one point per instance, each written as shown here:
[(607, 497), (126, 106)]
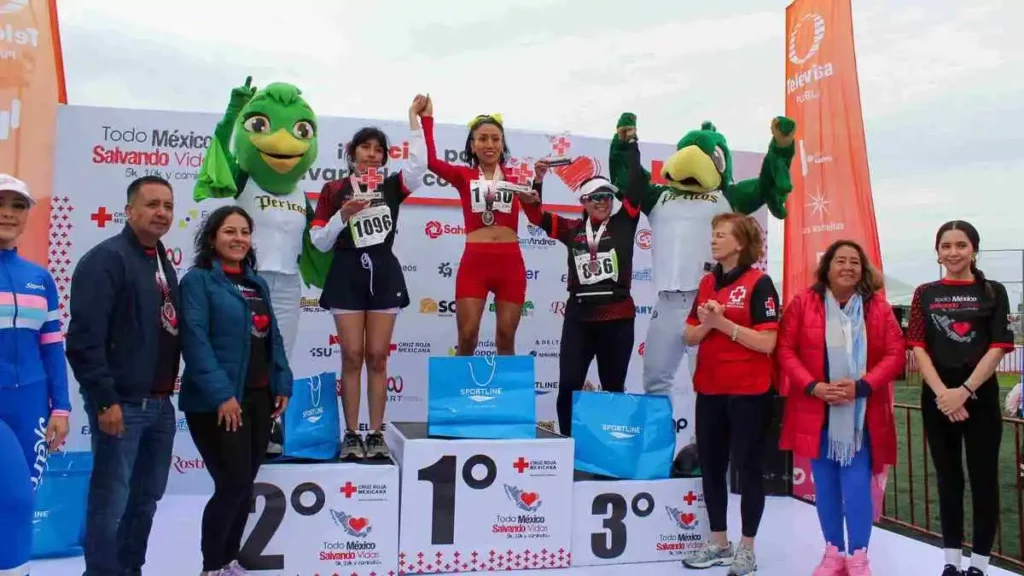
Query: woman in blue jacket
[(236, 377), (34, 404)]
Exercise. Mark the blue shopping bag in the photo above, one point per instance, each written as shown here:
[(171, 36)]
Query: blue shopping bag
[(58, 527), (312, 428), (622, 435), (489, 397)]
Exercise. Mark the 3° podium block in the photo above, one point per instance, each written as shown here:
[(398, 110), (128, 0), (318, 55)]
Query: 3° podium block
[(630, 521), (482, 505), (324, 518)]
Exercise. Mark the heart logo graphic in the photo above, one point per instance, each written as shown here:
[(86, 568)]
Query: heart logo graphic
[(687, 518), (961, 328), (357, 524), (260, 321), (574, 174), (529, 498)]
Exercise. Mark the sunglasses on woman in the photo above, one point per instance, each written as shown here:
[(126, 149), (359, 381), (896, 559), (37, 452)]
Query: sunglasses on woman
[(598, 197)]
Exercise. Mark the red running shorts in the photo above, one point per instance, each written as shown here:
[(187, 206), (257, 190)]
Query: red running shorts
[(492, 267)]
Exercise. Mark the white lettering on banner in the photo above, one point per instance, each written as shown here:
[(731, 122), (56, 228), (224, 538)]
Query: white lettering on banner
[(354, 533), (19, 37), (426, 236), (627, 521), (10, 119), (42, 450), (467, 498)]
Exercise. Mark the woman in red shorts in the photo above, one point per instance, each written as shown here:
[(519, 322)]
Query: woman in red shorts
[(492, 261)]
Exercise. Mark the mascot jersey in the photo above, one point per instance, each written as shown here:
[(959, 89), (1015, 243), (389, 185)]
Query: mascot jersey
[(278, 225)]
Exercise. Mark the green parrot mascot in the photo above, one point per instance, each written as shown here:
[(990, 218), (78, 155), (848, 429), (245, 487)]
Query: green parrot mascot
[(261, 150), (697, 186)]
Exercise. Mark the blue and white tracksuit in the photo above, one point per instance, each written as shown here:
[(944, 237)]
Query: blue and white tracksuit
[(33, 385)]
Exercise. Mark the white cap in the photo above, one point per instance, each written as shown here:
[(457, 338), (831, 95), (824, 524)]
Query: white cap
[(596, 184), (8, 182)]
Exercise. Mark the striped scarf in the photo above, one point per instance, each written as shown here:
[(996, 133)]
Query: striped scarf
[(846, 346)]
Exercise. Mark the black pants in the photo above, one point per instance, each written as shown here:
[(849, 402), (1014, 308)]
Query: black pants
[(611, 341), (981, 434), (233, 459), (733, 426)]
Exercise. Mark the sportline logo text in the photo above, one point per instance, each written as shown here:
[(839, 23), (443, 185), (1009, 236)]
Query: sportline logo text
[(435, 229)]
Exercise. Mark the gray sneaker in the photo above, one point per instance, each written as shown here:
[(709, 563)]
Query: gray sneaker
[(744, 564), (352, 446), (233, 569), (375, 446), (711, 556)]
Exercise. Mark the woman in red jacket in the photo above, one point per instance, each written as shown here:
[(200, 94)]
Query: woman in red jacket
[(492, 261), (840, 347)]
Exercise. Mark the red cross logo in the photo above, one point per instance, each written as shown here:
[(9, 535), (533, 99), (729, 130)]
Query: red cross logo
[(101, 217), (560, 145), (737, 295), (769, 307), (690, 498), (371, 179), (521, 465), (348, 489)]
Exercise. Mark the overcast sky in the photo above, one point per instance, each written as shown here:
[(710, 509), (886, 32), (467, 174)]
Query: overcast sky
[(942, 82)]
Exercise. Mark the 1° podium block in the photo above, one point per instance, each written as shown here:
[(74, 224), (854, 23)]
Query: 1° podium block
[(631, 521), (482, 505), (323, 518)]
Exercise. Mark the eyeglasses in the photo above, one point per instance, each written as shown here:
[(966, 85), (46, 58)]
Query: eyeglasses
[(599, 197)]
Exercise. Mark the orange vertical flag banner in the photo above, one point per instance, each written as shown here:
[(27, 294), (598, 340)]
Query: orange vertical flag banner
[(31, 89), (831, 198)]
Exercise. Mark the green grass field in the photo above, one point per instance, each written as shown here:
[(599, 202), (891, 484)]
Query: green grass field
[(905, 501)]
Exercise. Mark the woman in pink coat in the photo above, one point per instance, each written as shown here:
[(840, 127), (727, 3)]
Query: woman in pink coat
[(839, 349)]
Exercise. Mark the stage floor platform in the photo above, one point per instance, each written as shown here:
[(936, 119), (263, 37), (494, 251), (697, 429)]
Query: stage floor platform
[(789, 545)]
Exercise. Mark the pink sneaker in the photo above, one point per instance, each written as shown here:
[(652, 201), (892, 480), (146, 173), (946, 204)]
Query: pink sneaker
[(832, 564), (857, 565)]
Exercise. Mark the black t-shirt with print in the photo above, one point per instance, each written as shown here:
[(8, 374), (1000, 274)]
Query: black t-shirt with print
[(168, 345), (957, 322), (259, 331)]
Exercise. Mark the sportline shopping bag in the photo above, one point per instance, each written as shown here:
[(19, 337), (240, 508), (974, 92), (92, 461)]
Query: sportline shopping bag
[(489, 397), (621, 435), (312, 428), (58, 527)]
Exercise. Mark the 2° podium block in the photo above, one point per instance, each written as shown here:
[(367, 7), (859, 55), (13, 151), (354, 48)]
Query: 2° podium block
[(482, 505), (324, 518), (631, 521)]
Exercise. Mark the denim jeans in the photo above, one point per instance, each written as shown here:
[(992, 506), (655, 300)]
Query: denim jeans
[(128, 478)]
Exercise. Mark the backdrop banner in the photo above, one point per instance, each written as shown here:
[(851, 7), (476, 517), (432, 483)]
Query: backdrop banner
[(100, 150)]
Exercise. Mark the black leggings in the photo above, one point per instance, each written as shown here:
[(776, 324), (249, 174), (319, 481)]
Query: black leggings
[(735, 426), (233, 459), (982, 434), (610, 340)]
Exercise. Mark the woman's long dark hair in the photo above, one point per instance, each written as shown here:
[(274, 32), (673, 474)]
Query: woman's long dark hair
[(975, 239), (206, 236), (480, 121), (871, 280)]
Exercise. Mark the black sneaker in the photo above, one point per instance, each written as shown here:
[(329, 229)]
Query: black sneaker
[(952, 571), (972, 571), (352, 446), (375, 445)]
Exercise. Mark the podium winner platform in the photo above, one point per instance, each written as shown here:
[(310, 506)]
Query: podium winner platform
[(323, 518), (471, 505), (628, 521)]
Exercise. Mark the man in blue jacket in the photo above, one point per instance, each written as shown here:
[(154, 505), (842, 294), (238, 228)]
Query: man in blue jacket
[(123, 347)]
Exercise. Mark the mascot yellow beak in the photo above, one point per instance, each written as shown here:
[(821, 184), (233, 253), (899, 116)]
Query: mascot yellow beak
[(280, 150), (692, 170)]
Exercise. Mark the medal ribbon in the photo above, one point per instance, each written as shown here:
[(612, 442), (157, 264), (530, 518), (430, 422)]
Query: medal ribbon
[(161, 280), (489, 196), (593, 240)]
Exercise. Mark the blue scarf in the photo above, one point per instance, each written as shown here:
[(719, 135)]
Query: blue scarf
[(846, 346)]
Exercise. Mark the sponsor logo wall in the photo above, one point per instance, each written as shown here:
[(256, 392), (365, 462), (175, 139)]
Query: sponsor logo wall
[(100, 150)]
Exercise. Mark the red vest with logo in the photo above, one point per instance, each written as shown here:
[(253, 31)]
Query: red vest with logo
[(724, 366)]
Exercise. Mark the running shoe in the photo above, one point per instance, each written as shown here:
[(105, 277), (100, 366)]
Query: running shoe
[(711, 556), (352, 447), (832, 564), (375, 445), (744, 564)]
